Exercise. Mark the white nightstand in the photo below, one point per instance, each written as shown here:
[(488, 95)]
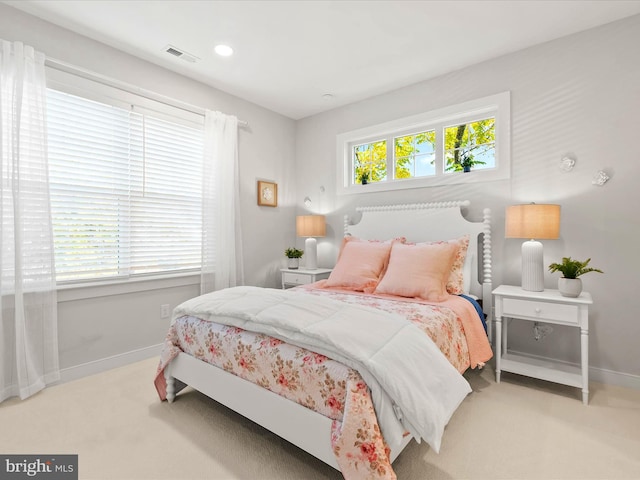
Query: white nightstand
[(300, 276), (547, 306)]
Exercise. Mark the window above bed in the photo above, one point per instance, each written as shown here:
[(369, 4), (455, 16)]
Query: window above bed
[(464, 143)]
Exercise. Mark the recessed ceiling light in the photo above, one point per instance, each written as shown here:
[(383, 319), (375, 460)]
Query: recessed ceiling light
[(224, 50)]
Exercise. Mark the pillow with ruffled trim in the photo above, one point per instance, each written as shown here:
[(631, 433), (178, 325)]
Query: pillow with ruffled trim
[(459, 277), (418, 271)]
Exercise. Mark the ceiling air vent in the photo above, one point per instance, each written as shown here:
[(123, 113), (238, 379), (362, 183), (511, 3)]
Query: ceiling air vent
[(176, 52)]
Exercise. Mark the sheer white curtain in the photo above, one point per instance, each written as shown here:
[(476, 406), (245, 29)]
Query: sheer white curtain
[(28, 314), (222, 264)]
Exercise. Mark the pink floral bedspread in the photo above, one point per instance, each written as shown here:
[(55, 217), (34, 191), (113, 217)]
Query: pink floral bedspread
[(313, 380)]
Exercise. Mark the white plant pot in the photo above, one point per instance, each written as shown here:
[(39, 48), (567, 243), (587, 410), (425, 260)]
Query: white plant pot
[(293, 263), (570, 287)]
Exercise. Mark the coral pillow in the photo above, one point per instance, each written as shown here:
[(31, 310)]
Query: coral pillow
[(419, 270), (360, 265), (459, 277), (350, 238)]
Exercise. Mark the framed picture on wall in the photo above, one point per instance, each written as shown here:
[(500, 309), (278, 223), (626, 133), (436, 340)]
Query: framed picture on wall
[(267, 194)]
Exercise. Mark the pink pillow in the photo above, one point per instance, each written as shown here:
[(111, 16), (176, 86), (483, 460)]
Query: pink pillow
[(351, 238), (456, 280), (419, 270), (360, 265)]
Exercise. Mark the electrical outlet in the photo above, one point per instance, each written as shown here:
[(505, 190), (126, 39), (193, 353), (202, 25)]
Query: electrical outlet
[(165, 311)]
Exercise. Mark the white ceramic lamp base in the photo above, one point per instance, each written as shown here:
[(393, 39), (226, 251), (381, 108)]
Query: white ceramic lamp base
[(311, 253), (532, 266)]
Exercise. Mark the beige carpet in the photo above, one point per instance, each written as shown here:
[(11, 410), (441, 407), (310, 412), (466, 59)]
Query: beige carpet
[(519, 429)]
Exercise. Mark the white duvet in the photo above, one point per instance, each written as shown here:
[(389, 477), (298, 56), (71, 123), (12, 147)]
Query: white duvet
[(413, 386)]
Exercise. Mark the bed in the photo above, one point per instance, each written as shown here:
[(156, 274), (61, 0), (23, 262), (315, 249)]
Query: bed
[(347, 411)]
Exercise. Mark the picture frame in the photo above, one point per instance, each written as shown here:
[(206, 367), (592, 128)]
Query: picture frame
[(267, 194)]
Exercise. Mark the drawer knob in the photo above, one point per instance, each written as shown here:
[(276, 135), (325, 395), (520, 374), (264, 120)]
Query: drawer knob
[(538, 310)]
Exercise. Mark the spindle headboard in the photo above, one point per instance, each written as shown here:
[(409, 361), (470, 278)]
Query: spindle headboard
[(430, 222)]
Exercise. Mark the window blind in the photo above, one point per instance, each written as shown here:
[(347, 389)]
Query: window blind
[(125, 190)]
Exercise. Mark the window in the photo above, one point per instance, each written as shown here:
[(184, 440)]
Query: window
[(463, 143), (370, 162), (125, 189), (414, 155), (470, 145)]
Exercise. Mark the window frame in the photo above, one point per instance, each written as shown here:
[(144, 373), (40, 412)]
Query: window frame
[(498, 106), (402, 134), (112, 95)]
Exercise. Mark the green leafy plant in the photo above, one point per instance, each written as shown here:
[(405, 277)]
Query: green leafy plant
[(572, 268), (465, 161), (293, 252), (364, 178)]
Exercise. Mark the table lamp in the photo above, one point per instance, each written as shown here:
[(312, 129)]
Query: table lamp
[(535, 222), (311, 226)]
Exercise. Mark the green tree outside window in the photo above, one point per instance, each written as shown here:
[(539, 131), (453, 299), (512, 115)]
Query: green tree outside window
[(370, 162), (470, 144), (466, 145)]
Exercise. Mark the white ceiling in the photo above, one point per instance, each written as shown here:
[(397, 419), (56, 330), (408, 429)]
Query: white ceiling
[(289, 53)]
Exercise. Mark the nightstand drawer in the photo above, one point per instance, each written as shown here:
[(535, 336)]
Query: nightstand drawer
[(549, 311), (296, 278)]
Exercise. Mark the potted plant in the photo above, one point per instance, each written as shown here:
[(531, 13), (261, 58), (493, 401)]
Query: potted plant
[(364, 178), (464, 163), (467, 163), (293, 254), (569, 284)]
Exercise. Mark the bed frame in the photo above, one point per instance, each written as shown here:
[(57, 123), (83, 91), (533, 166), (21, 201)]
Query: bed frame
[(305, 428)]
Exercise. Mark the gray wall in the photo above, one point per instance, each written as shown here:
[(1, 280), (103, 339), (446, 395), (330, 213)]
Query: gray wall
[(98, 323), (579, 95)]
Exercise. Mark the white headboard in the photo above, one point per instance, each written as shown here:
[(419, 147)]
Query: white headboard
[(430, 222)]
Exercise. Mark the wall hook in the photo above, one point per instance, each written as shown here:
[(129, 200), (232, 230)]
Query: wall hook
[(600, 178)]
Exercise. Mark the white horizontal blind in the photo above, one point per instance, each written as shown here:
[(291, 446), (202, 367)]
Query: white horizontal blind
[(125, 190)]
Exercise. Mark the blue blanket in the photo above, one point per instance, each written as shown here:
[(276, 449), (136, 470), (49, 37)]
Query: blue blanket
[(478, 308)]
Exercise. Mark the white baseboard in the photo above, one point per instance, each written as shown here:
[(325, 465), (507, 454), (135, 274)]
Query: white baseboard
[(98, 366), (596, 374), (614, 378)]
